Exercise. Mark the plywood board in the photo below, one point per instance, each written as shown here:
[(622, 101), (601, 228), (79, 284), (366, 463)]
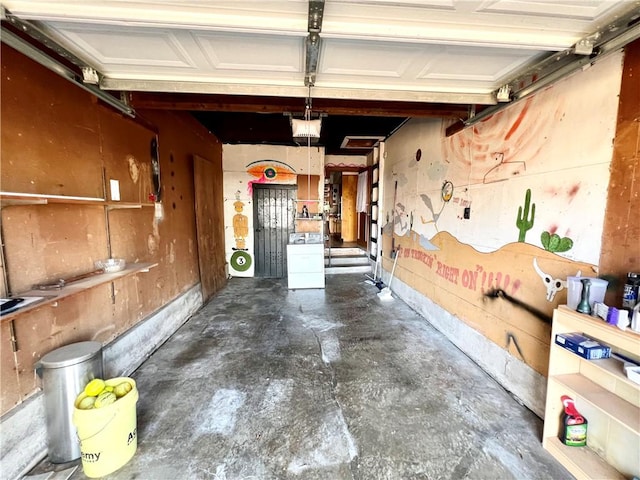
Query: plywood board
[(56, 139), (85, 316), (9, 387), (126, 157), (462, 281), (50, 138), (44, 243), (621, 232), (204, 205)]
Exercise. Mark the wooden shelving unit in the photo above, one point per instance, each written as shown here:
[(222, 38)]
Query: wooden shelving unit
[(49, 297), (602, 392), (54, 295)]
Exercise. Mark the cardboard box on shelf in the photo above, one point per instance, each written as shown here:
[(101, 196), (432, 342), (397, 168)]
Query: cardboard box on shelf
[(582, 345)]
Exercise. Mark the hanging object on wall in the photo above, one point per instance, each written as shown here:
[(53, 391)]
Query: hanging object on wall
[(447, 191), (155, 196)]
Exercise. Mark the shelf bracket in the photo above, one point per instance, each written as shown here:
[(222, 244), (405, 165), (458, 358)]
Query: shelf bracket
[(12, 333)]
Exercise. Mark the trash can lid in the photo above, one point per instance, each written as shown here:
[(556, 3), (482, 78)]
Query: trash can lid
[(70, 354)]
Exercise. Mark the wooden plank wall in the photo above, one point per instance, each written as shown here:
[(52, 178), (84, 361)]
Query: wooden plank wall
[(58, 139), (621, 236)]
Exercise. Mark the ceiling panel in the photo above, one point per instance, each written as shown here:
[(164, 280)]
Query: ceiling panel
[(256, 53), (587, 10), (113, 49), (371, 49), (366, 59), (484, 65)]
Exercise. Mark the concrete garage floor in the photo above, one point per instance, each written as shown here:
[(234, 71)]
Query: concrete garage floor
[(267, 383)]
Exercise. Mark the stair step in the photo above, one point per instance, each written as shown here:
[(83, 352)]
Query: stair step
[(350, 260), (342, 252), (347, 269)]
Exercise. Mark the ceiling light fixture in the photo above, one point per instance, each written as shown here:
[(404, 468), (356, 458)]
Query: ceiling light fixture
[(306, 131)]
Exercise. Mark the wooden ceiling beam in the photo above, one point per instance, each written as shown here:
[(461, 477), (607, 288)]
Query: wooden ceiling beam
[(254, 104)]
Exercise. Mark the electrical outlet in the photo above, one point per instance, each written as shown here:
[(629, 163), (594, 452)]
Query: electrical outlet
[(467, 213)]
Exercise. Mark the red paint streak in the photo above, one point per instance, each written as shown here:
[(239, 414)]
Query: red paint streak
[(574, 190), (250, 183), (519, 120), (553, 229), (516, 286)]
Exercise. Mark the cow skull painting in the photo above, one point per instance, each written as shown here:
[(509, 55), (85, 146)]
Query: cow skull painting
[(553, 285)]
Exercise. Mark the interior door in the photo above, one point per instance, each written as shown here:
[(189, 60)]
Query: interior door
[(348, 210), (274, 216)]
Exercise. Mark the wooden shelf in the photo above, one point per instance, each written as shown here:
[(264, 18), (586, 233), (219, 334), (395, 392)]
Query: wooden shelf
[(582, 462), (8, 199), (595, 327), (616, 408), (127, 205), (14, 198), (611, 400), (52, 296)]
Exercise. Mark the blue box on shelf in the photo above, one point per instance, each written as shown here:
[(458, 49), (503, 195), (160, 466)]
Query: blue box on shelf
[(582, 345)]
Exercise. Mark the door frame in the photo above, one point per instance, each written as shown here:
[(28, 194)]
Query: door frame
[(281, 268), (354, 169)]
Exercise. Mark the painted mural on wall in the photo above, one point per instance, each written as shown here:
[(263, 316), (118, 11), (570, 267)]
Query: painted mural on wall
[(270, 171), (507, 209), (241, 260), (244, 166)]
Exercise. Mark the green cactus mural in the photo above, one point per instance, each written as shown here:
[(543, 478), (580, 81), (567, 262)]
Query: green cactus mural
[(523, 222), (553, 242)]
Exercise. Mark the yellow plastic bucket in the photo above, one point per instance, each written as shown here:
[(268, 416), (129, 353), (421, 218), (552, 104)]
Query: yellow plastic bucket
[(108, 435)]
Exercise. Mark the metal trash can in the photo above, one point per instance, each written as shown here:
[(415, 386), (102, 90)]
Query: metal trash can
[(65, 372)]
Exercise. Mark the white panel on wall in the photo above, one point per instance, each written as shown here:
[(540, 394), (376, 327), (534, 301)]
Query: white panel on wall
[(554, 143), (238, 246)]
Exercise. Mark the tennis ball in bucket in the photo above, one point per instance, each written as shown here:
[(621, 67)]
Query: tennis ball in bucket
[(122, 389), (86, 403), (94, 387), (104, 399)]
